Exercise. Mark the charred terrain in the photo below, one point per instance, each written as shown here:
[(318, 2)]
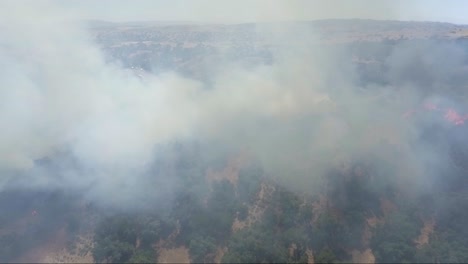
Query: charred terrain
[(375, 170)]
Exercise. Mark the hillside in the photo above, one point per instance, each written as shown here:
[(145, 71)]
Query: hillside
[(393, 189), (188, 47)]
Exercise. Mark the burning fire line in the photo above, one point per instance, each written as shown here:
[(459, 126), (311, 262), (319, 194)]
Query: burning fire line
[(450, 114)]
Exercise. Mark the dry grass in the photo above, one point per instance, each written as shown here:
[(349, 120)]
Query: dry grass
[(230, 172), (219, 254), (55, 250), (426, 232), (310, 256), (319, 207), (257, 209), (365, 256), (387, 206), (174, 255)]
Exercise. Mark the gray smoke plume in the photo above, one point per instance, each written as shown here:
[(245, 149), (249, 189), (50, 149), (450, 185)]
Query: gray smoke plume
[(300, 116)]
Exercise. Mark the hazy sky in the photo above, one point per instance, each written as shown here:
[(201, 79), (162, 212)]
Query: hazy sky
[(267, 10)]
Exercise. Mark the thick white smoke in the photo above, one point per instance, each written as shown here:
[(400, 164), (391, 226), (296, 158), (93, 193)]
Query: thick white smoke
[(299, 116)]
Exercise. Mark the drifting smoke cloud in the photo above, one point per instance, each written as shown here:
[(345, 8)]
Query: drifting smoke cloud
[(300, 116), (59, 95)]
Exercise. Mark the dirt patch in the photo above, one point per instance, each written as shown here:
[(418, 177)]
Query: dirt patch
[(174, 255), (169, 242), (238, 224), (319, 207), (81, 252), (170, 254), (257, 209), (219, 254), (373, 221), (426, 232), (292, 249), (57, 249), (366, 236), (19, 225), (54, 243), (387, 206), (230, 172), (138, 243), (310, 256), (365, 256)]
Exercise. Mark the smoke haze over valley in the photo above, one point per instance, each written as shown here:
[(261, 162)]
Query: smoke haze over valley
[(320, 140)]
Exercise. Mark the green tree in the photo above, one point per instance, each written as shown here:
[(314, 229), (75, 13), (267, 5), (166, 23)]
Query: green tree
[(249, 183), (150, 233), (143, 256), (325, 256), (255, 245), (394, 240), (108, 250), (200, 247)]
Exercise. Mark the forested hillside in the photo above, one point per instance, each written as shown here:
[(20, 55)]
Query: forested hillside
[(374, 171)]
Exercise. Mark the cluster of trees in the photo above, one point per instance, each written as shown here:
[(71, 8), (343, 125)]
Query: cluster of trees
[(449, 240), (126, 238), (202, 213), (284, 234), (206, 223), (30, 218), (280, 236), (393, 241)]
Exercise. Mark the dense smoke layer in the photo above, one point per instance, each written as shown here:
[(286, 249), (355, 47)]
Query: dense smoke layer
[(300, 116)]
